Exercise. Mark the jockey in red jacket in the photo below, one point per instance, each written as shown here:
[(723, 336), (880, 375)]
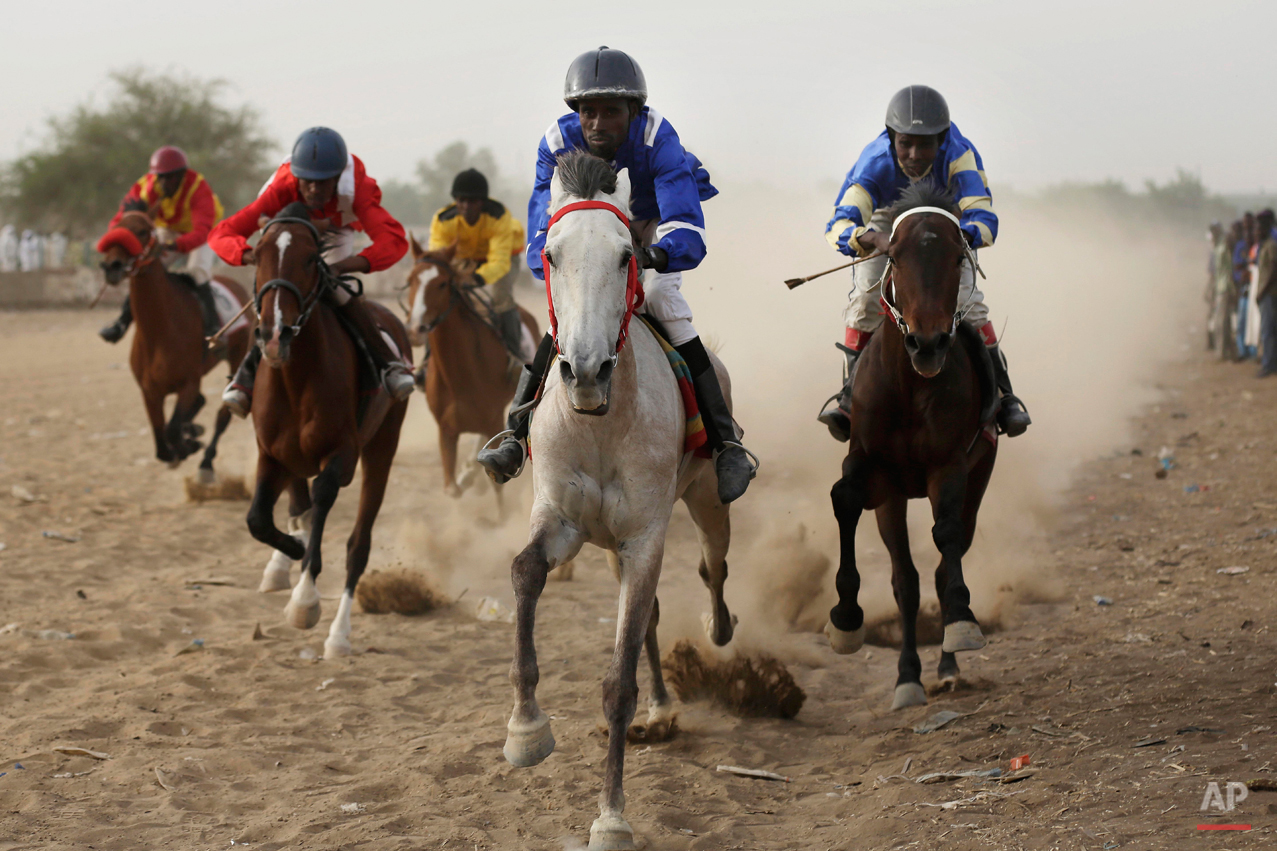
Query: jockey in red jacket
[(335, 187), (184, 208)]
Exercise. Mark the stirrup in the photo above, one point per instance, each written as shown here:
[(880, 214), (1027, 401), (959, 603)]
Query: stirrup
[(754, 463), (501, 435)]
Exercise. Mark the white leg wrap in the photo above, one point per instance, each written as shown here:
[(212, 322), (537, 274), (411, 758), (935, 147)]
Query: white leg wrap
[(338, 643)]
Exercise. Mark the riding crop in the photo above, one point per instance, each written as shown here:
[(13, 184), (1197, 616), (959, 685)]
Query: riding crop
[(796, 282), (220, 331)]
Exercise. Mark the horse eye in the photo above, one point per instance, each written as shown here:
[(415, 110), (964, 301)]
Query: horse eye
[(549, 258), (625, 258)]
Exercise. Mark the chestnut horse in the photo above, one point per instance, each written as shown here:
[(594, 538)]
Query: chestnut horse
[(169, 354), (469, 381), (309, 419), (917, 430)]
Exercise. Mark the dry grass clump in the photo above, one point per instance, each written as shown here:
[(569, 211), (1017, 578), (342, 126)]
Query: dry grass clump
[(751, 687), (399, 591), (225, 487)]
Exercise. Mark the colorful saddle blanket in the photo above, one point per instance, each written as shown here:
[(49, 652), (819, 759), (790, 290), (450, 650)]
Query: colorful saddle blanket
[(694, 437)]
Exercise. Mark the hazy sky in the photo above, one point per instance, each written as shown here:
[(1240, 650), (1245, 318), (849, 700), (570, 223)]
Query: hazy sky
[(773, 92)]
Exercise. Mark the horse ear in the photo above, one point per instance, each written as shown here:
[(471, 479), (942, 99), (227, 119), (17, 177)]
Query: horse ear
[(450, 252), (556, 190), (622, 192), (415, 247)]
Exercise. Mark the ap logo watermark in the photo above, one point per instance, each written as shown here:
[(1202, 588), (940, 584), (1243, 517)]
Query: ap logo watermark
[(1234, 793)]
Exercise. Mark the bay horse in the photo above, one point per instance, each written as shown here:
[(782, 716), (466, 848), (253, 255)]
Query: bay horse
[(607, 441), (468, 382), (919, 422), (169, 354), (313, 421)]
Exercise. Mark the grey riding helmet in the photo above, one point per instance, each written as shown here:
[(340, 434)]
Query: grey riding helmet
[(604, 73), (918, 111)]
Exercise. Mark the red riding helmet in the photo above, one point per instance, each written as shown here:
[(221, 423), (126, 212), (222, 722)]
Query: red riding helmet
[(168, 159)]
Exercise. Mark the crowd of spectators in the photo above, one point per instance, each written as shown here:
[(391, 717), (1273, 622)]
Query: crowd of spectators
[(1242, 291)]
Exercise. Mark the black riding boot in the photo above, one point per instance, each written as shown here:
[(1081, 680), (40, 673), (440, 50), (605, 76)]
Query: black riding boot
[(208, 306), (238, 395), (510, 324), (731, 461), (835, 417), (1013, 418), (114, 332), (506, 461), (395, 376)]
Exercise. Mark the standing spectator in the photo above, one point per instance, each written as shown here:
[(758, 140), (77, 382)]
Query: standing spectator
[(8, 249), (1221, 295), (31, 251), (1241, 273), (58, 251), (1266, 292)]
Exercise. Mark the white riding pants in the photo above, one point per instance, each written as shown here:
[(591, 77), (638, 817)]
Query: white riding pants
[(663, 293), (341, 244)]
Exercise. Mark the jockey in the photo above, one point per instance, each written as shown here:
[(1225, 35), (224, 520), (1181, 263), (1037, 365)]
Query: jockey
[(919, 142), (183, 205), (606, 91), (333, 184), (484, 231)]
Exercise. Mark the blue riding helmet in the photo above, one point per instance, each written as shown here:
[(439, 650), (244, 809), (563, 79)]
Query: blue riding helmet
[(318, 154)]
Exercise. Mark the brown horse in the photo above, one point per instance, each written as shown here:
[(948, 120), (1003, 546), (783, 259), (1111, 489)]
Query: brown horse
[(169, 354), (917, 430), (313, 419), (469, 381)]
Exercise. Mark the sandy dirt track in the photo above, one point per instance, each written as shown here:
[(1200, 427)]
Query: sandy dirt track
[(262, 747)]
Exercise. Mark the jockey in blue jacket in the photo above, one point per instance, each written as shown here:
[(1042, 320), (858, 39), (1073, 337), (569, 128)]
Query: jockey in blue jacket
[(607, 93), (919, 143)]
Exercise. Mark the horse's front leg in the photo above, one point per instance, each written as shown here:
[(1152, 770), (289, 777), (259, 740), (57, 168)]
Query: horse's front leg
[(206, 464), (180, 426), (660, 709), (893, 526), (640, 570), (947, 490), (552, 542), (154, 401), (850, 495), (303, 607), (448, 457)]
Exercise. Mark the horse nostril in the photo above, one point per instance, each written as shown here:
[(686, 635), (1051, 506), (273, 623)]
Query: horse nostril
[(605, 370), (565, 370), (943, 339), (911, 342)]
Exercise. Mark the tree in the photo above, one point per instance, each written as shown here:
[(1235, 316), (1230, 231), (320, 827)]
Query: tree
[(75, 180)]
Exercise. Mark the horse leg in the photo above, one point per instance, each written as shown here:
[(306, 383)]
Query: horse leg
[(894, 529), (271, 479), (714, 529), (206, 466), (551, 542), (377, 456), (448, 455), (154, 402), (977, 481), (850, 494), (640, 570), (300, 512), (660, 709), (303, 607), (189, 401), (947, 490)]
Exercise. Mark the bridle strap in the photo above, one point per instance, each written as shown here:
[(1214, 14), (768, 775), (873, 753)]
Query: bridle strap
[(634, 294), (324, 280), (895, 313)]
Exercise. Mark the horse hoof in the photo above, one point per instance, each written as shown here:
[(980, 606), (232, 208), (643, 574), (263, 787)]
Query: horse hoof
[(909, 694), (275, 577), (207, 476), (845, 643), (962, 635), (528, 743), (302, 617), (611, 833), (453, 491), (721, 636), (335, 649)]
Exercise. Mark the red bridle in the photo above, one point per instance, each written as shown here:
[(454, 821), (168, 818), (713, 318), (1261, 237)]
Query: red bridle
[(633, 289)]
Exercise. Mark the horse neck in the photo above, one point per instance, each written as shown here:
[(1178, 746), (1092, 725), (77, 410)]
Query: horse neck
[(153, 297), (460, 330)]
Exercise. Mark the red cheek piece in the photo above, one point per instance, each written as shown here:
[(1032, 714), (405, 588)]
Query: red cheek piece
[(124, 238)]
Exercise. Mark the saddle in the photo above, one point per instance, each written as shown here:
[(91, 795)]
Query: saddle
[(990, 397), (204, 295)]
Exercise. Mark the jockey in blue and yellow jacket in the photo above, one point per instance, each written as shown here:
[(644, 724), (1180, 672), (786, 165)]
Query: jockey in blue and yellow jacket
[(919, 143), (607, 94)]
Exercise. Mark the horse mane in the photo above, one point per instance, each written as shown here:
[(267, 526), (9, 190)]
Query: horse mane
[(925, 193), (299, 210), (584, 175), (135, 205)]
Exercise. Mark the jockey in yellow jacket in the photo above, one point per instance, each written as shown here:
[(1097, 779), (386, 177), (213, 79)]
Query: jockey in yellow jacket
[(484, 232)]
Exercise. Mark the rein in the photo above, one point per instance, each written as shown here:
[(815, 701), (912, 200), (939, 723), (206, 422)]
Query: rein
[(896, 315), (633, 287), (326, 281), (148, 254)]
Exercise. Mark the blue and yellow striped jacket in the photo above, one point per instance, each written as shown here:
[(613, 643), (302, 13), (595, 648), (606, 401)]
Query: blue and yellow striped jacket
[(876, 181)]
